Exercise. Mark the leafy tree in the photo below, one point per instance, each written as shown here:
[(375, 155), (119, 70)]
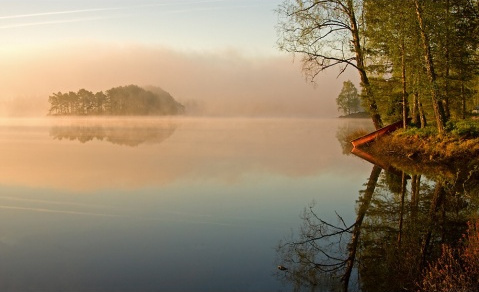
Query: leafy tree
[(348, 98), (100, 103), (425, 51), (392, 36), (55, 106), (414, 57), (86, 101), (463, 59)]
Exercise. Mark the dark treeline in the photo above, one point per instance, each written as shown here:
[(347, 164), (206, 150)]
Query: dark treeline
[(415, 58), (123, 100)]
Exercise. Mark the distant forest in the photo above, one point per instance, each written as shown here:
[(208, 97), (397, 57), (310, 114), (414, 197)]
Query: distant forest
[(122, 100)]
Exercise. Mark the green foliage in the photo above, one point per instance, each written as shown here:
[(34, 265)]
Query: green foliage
[(123, 100), (388, 94), (464, 128), (418, 132), (423, 51), (348, 99), (461, 129), (395, 51)]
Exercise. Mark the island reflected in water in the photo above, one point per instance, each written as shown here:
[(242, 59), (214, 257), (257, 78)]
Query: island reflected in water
[(132, 135), (202, 199), (132, 152)]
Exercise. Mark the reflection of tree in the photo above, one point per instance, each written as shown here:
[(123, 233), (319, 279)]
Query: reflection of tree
[(406, 228), (401, 223), (325, 249), (120, 135), (344, 136), (349, 132), (390, 246)]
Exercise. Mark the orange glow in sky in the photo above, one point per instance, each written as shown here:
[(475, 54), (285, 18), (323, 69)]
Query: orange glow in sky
[(218, 56)]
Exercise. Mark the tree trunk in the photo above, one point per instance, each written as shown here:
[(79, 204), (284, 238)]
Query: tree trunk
[(353, 245), (415, 110), (447, 54), (368, 96), (436, 202), (463, 100), (405, 106), (401, 210), (415, 188), (422, 115), (436, 102)]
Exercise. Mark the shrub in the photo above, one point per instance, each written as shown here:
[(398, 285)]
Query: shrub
[(419, 132), (464, 128), (457, 269)]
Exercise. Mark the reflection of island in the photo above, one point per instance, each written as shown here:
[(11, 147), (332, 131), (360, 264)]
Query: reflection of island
[(401, 225), (224, 149), (120, 135)]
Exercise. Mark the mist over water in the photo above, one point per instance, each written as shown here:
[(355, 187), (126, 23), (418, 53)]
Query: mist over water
[(147, 204), (225, 83), (173, 203), (165, 149)]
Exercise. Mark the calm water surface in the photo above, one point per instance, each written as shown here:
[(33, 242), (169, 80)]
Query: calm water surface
[(165, 204)]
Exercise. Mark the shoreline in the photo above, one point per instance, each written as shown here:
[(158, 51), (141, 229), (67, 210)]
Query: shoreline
[(428, 155)]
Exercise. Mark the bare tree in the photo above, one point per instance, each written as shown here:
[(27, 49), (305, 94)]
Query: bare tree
[(327, 33)]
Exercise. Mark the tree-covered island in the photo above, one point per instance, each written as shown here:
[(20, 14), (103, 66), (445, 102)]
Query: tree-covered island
[(122, 100)]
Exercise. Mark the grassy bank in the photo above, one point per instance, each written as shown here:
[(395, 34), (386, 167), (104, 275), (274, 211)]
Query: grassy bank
[(427, 149), (419, 150)]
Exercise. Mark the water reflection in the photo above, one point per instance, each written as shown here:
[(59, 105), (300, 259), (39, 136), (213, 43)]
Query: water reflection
[(98, 216), (166, 151), (130, 135), (401, 222)]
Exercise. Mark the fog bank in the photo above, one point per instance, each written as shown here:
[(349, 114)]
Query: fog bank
[(208, 83)]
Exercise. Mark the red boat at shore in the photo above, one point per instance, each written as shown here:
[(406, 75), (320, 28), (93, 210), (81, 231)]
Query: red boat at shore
[(376, 134)]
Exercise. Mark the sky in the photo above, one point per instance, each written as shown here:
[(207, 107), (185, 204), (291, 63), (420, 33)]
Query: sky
[(218, 57)]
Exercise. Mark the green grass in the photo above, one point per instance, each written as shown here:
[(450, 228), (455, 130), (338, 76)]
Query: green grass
[(464, 128), (418, 132)]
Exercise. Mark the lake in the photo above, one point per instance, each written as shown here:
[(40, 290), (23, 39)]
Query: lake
[(169, 204)]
